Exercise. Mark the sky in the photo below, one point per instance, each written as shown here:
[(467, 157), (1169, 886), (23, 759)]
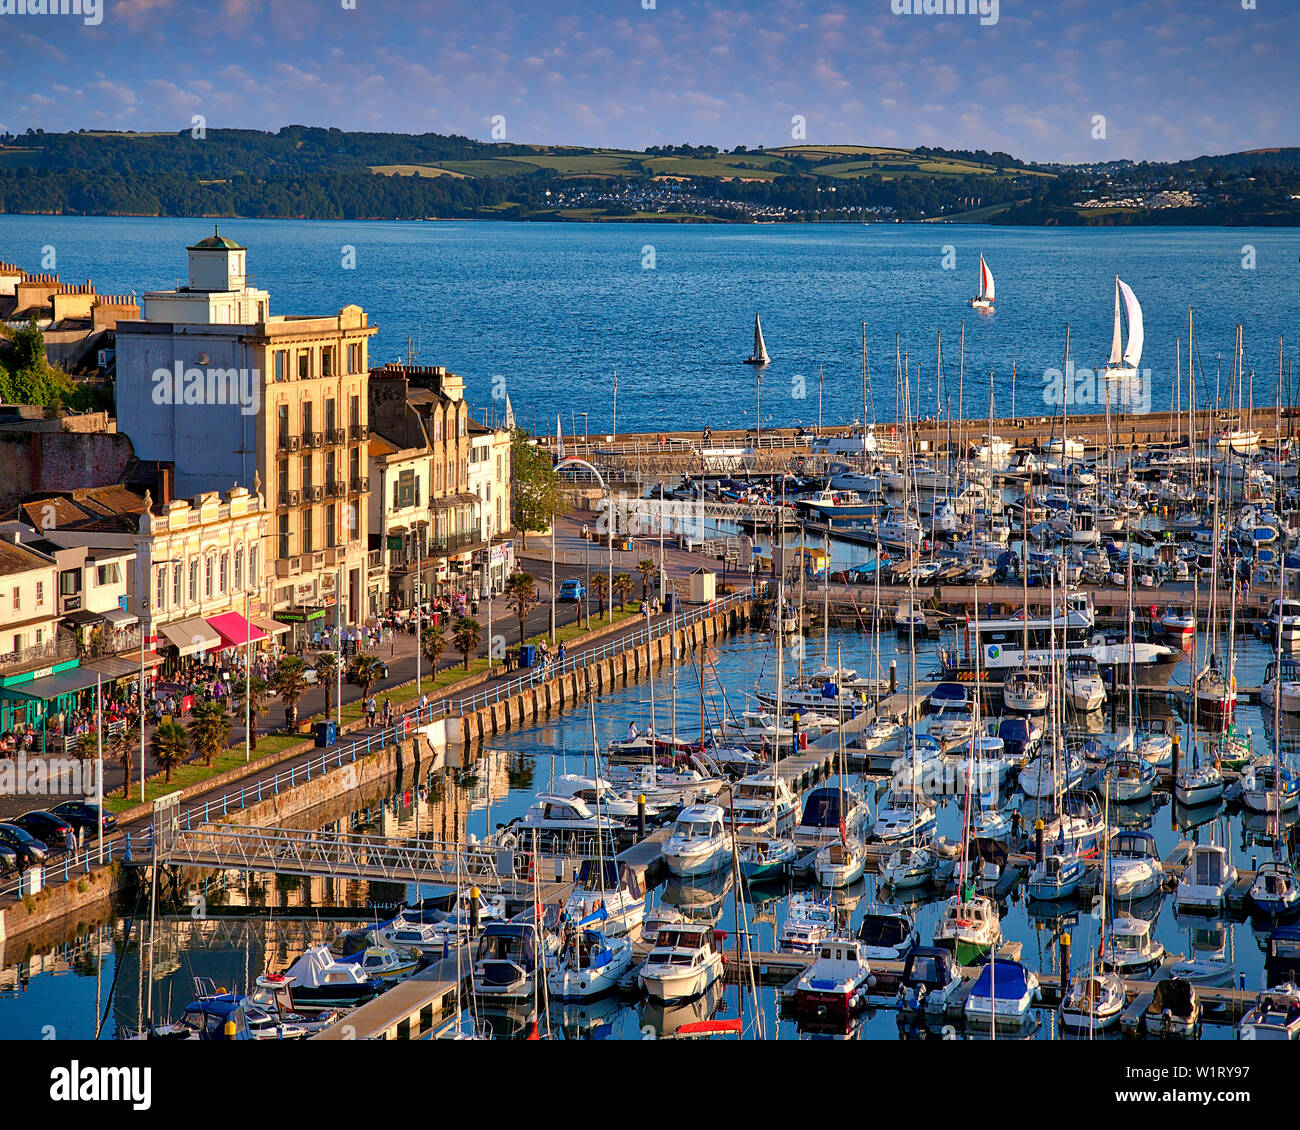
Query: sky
[(1171, 78)]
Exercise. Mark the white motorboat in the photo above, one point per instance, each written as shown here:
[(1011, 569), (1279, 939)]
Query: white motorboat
[(554, 815), (1177, 623), (904, 815), (1207, 876), (1284, 619), (807, 923), (1133, 869), (1274, 891), (507, 960), (1264, 789), (840, 864), (970, 928), (1056, 878), (319, 979), (763, 802), (1155, 742), (909, 618), (1084, 688), (1003, 993), (599, 793), (823, 814), (1282, 683), (683, 963), (699, 844), (887, 933), (1275, 1015), (1132, 948)]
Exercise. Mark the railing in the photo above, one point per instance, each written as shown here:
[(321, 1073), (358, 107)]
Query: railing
[(286, 442), (313, 439), (605, 650), (336, 488), (453, 543), (334, 436), (358, 433), (374, 560), (360, 484), (62, 646)]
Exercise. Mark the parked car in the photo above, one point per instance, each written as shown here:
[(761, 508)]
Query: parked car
[(30, 850), (8, 860), (51, 830), (381, 672), (572, 590), (82, 815)]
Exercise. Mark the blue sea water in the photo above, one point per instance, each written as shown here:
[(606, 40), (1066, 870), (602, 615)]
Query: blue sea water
[(552, 311)]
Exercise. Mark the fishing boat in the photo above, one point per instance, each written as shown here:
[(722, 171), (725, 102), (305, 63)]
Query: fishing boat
[(984, 300), (835, 986), (759, 356), (767, 858), (698, 843), (970, 927), (319, 979), (840, 863), (1056, 877), (1208, 874), (887, 933), (1094, 1002), (593, 963), (807, 923), (1133, 950), (1275, 1015), (1133, 870), (1003, 993), (684, 962)]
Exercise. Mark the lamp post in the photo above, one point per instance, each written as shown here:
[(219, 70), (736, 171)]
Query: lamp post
[(574, 461)]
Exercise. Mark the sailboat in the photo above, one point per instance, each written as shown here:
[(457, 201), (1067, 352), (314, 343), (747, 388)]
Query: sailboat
[(984, 300), (1123, 362), (759, 356)]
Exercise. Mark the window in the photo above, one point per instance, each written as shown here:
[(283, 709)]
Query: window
[(354, 358), (194, 581), (70, 582), (281, 364), (330, 424), (331, 466), (282, 473), (40, 594), (282, 422), (327, 361), (18, 598), (306, 530), (304, 365), (306, 418), (354, 411), (284, 535), (239, 569), (252, 566), (331, 527), (437, 429), (208, 571), (176, 586), (306, 473), (464, 423), (437, 477), (224, 574), (354, 462), (107, 575), (160, 590)]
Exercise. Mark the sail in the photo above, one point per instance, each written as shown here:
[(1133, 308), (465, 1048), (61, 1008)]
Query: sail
[(509, 422), (1115, 351), (986, 280), (760, 349), (1133, 351), (559, 438)]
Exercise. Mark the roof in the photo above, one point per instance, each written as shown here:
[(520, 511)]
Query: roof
[(20, 559), (381, 446), (215, 242)]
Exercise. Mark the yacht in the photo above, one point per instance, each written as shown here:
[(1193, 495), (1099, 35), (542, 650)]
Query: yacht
[(1263, 791), (1208, 874), (507, 960), (1284, 618), (1084, 688), (909, 867), (698, 843), (840, 863), (1132, 950), (320, 980), (1024, 692), (763, 802), (767, 858), (1057, 877), (823, 815), (1133, 869), (684, 962), (611, 887), (1094, 1002), (904, 815), (554, 815), (807, 923), (1282, 682), (590, 965), (1127, 778)]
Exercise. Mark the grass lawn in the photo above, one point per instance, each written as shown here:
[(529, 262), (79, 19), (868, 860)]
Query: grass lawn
[(415, 170)]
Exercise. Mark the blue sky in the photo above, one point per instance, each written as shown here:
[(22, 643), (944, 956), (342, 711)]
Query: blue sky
[(1173, 78)]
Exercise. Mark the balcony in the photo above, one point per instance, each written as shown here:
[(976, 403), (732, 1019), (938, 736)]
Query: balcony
[(63, 646), (359, 433), (338, 555), (289, 498), (288, 567), (361, 484), (107, 640), (313, 494), (313, 439), (336, 488), (450, 544), (289, 443), (335, 436), (375, 562)]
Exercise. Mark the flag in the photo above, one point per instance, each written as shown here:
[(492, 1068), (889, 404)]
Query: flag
[(844, 833)]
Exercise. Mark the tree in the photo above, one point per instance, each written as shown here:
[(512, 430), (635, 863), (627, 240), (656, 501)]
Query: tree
[(209, 729), (466, 633), (647, 569), (365, 671), (534, 486), (600, 585), (433, 642), (170, 746), (327, 666), (258, 692), (623, 586), (125, 743), (290, 683), (521, 592)]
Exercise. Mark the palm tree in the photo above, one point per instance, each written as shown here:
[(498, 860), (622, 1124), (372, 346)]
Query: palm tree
[(125, 742), (623, 586), (290, 683), (327, 666), (521, 592), (647, 569), (600, 583), (258, 690), (466, 633), (209, 729), (433, 642), (365, 671), (170, 746)]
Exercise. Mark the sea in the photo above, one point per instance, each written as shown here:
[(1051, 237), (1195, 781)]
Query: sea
[(645, 327)]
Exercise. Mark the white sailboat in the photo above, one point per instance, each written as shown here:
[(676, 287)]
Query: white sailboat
[(984, 300), (1125, 358), (759, 356)]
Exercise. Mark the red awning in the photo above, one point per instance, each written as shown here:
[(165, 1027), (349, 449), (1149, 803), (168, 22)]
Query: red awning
[(234, 630)]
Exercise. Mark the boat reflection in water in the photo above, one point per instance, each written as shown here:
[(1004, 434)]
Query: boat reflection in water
[(660, 1021)]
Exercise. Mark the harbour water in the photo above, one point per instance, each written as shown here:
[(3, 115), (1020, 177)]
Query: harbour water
[(554, 310)]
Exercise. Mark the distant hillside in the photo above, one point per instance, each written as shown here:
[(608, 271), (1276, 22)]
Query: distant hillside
[(318, 173)]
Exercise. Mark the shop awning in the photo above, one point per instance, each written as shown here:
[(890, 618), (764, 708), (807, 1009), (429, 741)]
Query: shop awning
[(65, 682), (191, 636), (79, 616), (234, 630), (270, 627), (121, 618), (113, 667)]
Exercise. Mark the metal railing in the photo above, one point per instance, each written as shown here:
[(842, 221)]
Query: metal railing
[(62, 646)]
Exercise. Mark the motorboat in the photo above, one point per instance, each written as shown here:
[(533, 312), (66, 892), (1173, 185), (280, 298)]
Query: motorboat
[(823, 814), (905, 814), (684, 962), (1132, 948), (698, 843), (807, 923), (909, 866), (763, 802), (592, 963), (319, 979), (840, 863), (1274, 891), (599, 794), (1284, 619), (386, 963), (970, 927), (1208, 964), (767, 858), (1175, 1009), (1094, 1002), (909, 618), (612, 887), (1177, 623), (1282, 683), (554, 816), (1084, 688), (1208, 875), (1133, 867), (506, 962), (1024, 692), (1275, 1015), (835, 986), (1056, 877), (1003, 993), (931, 981), (887, 933)]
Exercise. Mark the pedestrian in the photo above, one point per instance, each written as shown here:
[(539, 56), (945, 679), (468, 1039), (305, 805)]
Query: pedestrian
[(424, 702), (561, 654), (370, 711), (69, 840), (388, 712)]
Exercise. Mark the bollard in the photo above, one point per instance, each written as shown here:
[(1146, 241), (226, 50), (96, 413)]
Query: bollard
[(1015, 825), (1039, 847), (128, 847), (893, 676), (1065, 962), (640, 816), (473, 910), (1177, 744)]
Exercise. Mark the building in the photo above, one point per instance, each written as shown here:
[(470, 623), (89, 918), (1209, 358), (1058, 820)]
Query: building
[(210, 380), (399, 520), (31, 644), (489, 480)]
